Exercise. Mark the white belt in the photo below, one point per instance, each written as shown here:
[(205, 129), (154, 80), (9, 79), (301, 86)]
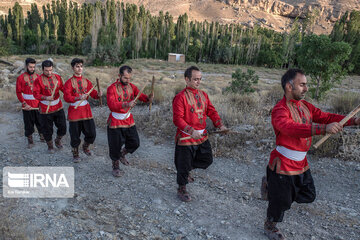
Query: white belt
[(120, 116), (291, 154), (199, 131), (85, 102), (52, 103), (28, 96)]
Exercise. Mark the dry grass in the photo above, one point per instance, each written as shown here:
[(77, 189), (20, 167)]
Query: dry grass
[(345, 102)]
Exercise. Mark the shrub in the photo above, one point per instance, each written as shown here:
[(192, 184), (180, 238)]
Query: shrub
[(242, 81), (67, 49)]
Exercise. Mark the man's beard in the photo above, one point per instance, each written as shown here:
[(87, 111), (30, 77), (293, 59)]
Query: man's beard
[(300, 96), (123, 82), (30, 73)]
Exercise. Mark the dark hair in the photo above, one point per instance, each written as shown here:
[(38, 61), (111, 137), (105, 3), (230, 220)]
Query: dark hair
[(289, 76), (29, 60), (76, 61), (188, 72), (46, 63), (125, 68)]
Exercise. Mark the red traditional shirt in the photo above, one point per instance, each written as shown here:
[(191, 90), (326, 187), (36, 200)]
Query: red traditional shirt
[(24, 89), (118, 98), (73, 87), (190, 110), (294, 123), (43, 87)]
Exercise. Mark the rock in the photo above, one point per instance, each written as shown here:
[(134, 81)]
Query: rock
[(18, 64), (18, 70), (133, 233)]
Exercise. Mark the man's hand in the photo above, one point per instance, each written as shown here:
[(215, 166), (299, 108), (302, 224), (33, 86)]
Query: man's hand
[(132, 104), (333, 128), (151, 97), (49, 98), (224, 129), (26, 106), (83, 96), (196, 135), (100, 93), (357, 121)]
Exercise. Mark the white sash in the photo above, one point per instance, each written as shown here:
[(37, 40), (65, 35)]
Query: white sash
[(52, 103), (120, 116), (291, 154), (28, 96), (85, 102)]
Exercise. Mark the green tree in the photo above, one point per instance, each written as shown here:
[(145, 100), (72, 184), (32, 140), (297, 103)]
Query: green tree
[(38, 38), (242, 81), (324, 61)]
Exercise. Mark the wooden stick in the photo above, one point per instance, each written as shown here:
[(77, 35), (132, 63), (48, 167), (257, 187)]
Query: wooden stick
[(342, 123), (210, 133), (136, 98), (98, 85), (31, 109), (152, 91), (222, 131), (52, 95), (88, 93)]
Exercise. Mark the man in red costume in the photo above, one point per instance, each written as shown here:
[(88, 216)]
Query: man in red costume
[(80, 119), (43, 88), (30, 106), (121, 126), (190, 109), (295, 121)]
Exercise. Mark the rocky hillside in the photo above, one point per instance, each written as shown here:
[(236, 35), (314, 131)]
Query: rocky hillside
[(274, 14)]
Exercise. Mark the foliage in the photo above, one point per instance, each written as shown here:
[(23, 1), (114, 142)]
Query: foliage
[(323, 60), (242, 81)]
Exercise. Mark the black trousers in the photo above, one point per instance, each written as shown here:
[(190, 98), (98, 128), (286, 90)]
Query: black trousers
[(31, 118), (87, 127), (117, 137), (48, 121), (190, 157), (283, 190)]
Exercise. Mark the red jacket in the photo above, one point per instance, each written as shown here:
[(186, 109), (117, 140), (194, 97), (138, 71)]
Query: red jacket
[(118, 98), (294, 123), (190, 110), (24, 88), (43, 87), (73, 87)]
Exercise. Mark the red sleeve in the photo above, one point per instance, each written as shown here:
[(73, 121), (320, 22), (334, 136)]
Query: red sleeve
[(212, 113), (37, 89), (142, 97), (61, 87), (94, 93), (179, 113), (19, 89), (68, 96), (326, 118), (112, 101), (282, 121)]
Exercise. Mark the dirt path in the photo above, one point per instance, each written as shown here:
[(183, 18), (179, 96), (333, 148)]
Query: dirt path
[(143, 204)]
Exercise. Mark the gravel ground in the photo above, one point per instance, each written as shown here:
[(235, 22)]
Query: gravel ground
[(143, 204)]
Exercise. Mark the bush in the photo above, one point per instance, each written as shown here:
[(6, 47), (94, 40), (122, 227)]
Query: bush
[(67, 49), (242, 81)]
